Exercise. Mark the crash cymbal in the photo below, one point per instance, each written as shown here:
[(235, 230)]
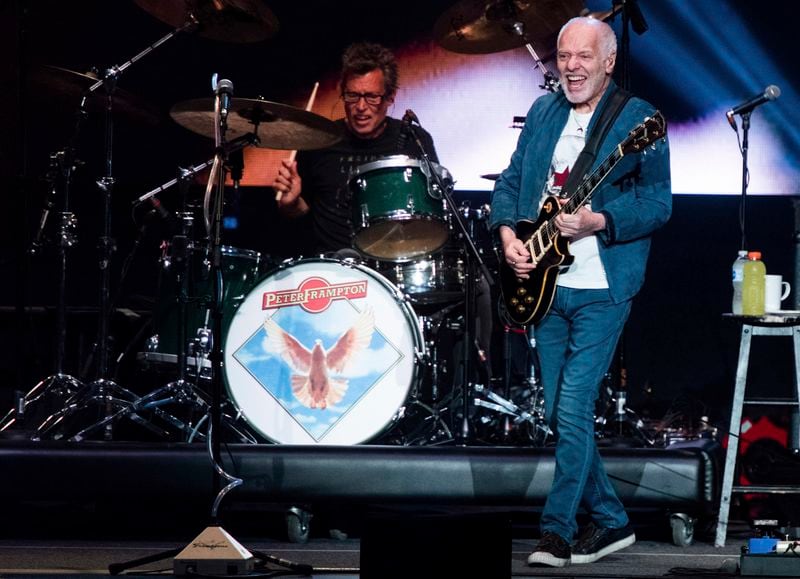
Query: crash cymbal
[(485, 26), (56, 86), (491, 176), (277, 126), (224, 20)]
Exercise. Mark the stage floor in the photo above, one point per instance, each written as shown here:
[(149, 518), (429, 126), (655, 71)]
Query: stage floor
[(340, 558)]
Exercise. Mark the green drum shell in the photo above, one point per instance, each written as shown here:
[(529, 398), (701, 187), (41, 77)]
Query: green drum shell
[(240, 270), (395, 211)]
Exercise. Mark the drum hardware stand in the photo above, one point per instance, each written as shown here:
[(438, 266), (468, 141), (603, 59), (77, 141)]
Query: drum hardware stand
[(62, 164), (103, 391), (551, 83), (181, 390), (473, 259), (500, 404), (534, 416), (622, 420)]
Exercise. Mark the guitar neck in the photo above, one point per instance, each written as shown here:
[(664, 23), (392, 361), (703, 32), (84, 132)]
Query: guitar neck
[(542, 239), (590, 183)]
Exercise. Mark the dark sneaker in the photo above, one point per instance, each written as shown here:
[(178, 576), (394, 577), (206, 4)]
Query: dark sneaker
[(595, 543), (552, 550)]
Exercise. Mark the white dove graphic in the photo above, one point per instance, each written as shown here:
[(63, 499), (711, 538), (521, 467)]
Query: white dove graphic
[(312, 383)]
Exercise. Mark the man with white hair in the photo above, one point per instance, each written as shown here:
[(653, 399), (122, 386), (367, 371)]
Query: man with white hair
[(610, 241)]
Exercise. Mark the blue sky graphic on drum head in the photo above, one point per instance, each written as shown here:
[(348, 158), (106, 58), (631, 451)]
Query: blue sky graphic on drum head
[(274, 371)]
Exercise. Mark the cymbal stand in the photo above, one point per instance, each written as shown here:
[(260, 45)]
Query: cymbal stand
[(551, 83), (180, 390), (104, 391), (59, 384)]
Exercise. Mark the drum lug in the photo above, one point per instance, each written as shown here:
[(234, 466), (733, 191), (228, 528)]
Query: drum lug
[(151, 345), (202, 344), (364, 215)]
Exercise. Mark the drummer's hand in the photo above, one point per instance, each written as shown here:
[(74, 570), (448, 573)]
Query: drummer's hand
[(288, 185), (516, 255)]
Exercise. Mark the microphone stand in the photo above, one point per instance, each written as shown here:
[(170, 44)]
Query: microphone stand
[(631, 15), (745, 175), (215, 534), (474, 263)]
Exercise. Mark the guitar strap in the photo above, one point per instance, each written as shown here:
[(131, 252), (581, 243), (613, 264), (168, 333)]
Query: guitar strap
[(608, 114)]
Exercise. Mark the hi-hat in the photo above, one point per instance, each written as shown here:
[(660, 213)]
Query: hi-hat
[(52, 83), (224, 20), (277, 126), (485, 26)]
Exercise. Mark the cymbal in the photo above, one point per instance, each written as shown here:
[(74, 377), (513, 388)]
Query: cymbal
[(223, 20), (53, 83), (491, 176), (276, 125), (486, 26)]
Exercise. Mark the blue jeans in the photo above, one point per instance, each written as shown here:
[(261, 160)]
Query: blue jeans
[(576, 342)]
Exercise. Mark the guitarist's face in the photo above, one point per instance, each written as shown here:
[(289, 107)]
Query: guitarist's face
[(585, 64)]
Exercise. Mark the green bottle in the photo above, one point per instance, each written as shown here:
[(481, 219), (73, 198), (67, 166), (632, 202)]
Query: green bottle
[(754, 285)]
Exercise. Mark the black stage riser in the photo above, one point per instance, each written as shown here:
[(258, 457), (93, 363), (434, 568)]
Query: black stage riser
[(682, 478)]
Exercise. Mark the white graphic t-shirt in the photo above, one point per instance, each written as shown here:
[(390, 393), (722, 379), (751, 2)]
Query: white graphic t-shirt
[(587, 270)]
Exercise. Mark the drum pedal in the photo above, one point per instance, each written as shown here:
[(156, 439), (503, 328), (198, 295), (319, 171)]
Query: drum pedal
[(500, 404)]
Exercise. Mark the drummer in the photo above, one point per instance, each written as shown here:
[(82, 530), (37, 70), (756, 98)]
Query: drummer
[(316, 184)]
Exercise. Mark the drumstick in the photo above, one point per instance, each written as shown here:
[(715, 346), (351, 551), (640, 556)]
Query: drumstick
[(293, 154)]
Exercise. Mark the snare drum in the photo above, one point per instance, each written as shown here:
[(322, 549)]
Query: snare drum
[(322, 351), (239, 274), (398, 211), (434, 279)]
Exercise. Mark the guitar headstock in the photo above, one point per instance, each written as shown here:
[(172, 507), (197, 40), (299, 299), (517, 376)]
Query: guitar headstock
[(648, 132)]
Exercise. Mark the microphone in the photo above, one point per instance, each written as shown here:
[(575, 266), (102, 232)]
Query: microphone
[(158, 209), (224, 92), (405, 129), (770, 94)]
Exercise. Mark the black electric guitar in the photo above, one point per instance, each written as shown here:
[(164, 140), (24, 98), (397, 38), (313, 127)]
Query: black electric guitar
[(528, 300)]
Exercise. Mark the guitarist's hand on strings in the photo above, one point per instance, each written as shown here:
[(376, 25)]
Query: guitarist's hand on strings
[(516, 255), (582, 223)]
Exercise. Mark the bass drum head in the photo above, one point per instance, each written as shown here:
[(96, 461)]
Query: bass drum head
[(322, 351)]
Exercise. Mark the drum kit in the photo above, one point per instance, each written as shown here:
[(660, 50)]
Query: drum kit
[(322, 350)]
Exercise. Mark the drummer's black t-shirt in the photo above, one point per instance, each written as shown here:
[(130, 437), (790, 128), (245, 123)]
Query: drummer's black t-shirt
[(326, 175)]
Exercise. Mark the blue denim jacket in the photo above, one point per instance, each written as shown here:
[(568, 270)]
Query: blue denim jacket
[(636, 197)]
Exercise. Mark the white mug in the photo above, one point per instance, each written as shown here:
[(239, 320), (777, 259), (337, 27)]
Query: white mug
[(777, 290)]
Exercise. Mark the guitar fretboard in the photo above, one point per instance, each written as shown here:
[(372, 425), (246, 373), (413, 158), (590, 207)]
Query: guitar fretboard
[(542, 239)]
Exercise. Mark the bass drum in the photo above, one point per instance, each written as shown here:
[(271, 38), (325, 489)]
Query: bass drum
[(322, 351)]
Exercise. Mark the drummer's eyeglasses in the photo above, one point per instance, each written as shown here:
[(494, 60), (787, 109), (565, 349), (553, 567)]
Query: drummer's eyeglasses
[(372, 98)]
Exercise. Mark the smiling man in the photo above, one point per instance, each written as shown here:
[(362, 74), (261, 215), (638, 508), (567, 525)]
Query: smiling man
[(609, 240), (318, 182)]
